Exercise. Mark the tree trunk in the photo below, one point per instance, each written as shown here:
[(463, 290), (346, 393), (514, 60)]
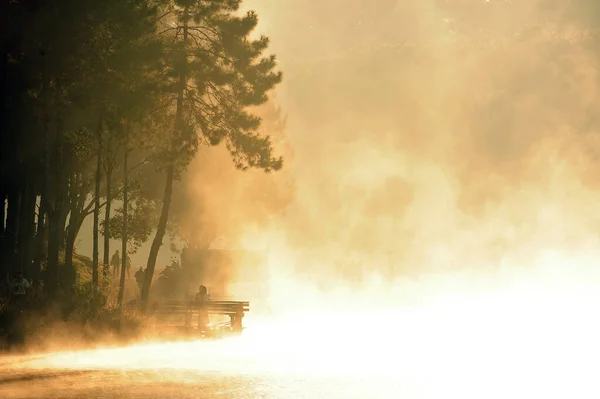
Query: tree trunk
[(60, 205), (63, 214), (12, 229), (160, 233), (40, 235), (56, 240), (124, 232), (54, 234), (27, 228), (73, 216), (164, 215), (69, 248), (106, 258), (3, 262), (49, 194), (2, 210), (75, 223), (97, 209), (62, 173)]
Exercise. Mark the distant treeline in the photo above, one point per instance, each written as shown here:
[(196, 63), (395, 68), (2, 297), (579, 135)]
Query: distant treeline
[(108, 101)]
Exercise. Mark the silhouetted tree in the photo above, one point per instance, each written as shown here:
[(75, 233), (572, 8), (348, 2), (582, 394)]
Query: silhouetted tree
[(215, 72)]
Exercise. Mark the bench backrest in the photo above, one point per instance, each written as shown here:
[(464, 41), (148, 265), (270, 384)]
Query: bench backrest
[(214, 307)]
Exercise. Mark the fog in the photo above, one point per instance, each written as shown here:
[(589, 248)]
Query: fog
[(423, 141), (431, 137), (437, 210)]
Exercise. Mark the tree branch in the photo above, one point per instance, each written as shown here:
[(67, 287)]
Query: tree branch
[(86, 210), (167, 30), (145, 161), (164, 15), (89, 212)]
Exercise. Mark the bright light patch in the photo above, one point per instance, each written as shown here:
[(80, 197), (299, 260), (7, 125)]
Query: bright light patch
[(532, 337)]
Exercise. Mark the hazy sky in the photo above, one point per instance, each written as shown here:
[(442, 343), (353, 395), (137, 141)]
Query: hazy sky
[(437, 134)]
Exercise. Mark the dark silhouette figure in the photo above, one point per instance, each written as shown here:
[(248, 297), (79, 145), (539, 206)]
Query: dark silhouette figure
[(202, 298), (115, 262), (128, 267), (139, 278)]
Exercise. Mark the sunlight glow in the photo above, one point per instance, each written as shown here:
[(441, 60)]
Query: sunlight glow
[(537, 337)]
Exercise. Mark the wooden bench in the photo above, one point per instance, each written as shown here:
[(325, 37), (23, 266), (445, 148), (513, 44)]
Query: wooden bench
[(234, 309)]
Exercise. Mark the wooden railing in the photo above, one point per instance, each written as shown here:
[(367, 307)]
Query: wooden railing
[(234, 309)]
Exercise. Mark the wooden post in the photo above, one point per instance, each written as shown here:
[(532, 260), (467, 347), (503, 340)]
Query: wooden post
[(236, 321), (188, 318)]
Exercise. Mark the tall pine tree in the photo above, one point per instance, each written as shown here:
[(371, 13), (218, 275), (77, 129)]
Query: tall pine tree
[(215, 72)]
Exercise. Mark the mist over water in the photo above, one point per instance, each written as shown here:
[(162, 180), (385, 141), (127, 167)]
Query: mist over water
[(515, 333), (522, 342)]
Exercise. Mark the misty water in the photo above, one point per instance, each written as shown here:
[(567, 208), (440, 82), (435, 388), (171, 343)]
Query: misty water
[(530, 338)]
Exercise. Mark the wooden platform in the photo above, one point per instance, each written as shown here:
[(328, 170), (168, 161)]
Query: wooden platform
[(234, 309)]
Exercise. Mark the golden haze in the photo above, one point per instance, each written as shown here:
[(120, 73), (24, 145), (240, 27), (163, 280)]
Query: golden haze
[(442, 223)]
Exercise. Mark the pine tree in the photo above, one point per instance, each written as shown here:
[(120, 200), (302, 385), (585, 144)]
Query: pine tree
[(215, 71)]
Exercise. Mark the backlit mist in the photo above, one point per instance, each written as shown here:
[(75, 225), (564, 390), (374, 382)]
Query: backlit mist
[(437, 217)]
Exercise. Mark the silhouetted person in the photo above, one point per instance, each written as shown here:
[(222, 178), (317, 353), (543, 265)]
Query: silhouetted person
[(115, 262), (19, 288), (139, 278), (128, 266), (202, 294), (202, 298)]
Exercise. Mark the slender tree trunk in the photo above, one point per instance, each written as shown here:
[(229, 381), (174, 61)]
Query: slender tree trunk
[(30, 226), (54, 233), (164, 215), (69, 248), (73, 216), (12, 228), (2, 210), (49, 195), (63, 214), (3, 262), (97, 209), (40, 240), (124, 232), (27, 228), (160, 233), (56, 240), (60, 186), (75, 223), (106, 258)]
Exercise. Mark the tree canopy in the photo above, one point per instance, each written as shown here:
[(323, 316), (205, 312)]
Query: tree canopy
[(102, 100)]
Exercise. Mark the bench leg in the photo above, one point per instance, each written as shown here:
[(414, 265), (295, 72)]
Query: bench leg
[(236, 322), (202, 320)]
